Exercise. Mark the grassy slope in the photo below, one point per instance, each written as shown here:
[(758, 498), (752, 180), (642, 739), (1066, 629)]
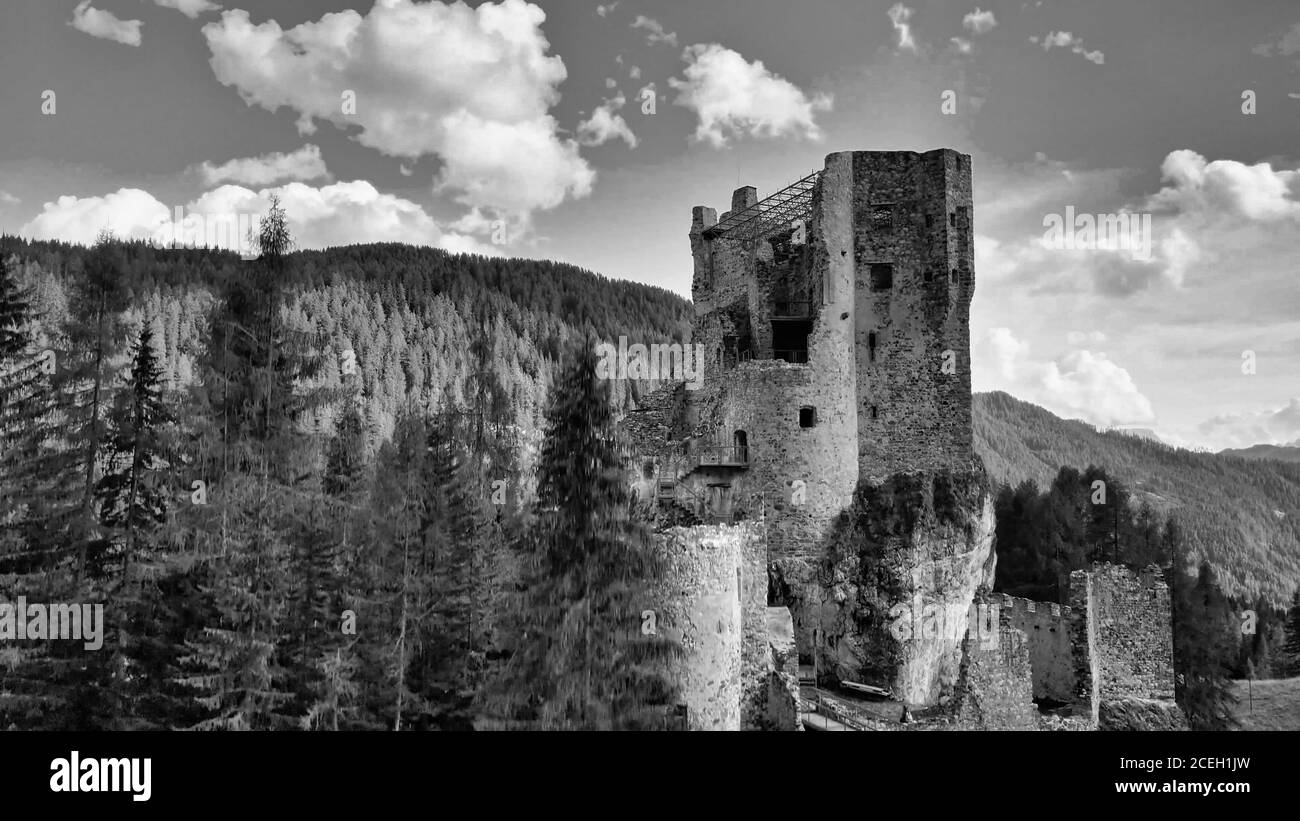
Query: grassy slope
[(1276, 704)]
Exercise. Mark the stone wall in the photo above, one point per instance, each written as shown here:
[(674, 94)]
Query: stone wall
[(912, 212), (699, 604), (995, 688), (1134, 636), (713, 599), (1083, 643), (1048, 631), (1122, 642), (736, 286), (755, 665)]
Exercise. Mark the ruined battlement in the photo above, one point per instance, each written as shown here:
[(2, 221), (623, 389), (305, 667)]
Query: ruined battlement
[(1016, 605), (1130, 618), (833, 317), (857, 277)]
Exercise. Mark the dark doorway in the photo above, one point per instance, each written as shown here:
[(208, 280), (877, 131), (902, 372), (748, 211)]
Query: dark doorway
[(740, 447), (790, 340)]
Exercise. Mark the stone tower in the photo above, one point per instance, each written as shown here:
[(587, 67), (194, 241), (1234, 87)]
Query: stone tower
[(837, 311), (833, 317), (914, 265)]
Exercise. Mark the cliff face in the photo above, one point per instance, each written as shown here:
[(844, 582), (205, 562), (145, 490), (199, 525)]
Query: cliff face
[(891, 599)]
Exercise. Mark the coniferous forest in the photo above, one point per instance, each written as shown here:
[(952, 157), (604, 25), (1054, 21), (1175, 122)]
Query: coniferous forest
[(320, 490)]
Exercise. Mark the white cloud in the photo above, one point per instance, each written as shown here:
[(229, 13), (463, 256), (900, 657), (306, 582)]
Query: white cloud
[(1240, 430), (303, 164), (961, 45), (1227, 188), (899, 16), (979, 22), (654, 31), (604, 9), (337, 214), (604, 125), (8, 199), (472, 86), (1079, 384), (734, 97), (1064, 39), (1286, 45), (610, 82), (190, 8), (105, 25), (634, 72), (130, 213)]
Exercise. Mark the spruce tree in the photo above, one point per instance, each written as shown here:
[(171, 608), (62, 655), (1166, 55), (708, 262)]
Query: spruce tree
[(396, 586), (581, 661), (258, 468), (132, 495), (1291, 647), (1204, 649)]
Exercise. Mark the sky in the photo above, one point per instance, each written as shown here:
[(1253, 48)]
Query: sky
[(585, 132)]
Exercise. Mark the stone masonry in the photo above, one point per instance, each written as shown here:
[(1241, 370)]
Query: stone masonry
[(825, 467)]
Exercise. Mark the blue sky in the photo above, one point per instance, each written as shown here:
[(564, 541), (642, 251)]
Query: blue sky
[(528, 123)]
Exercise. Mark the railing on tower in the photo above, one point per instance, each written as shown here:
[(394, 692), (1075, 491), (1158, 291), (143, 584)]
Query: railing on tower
[(798, 356), (769, 216)]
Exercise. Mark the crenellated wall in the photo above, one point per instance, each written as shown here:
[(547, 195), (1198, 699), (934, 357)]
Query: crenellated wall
[(1047, 630)]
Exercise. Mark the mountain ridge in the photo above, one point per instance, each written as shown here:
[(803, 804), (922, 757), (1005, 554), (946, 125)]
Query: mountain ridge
[(1227, 504)]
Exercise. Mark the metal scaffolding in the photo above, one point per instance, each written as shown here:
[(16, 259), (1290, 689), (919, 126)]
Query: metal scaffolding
[(768, 216)]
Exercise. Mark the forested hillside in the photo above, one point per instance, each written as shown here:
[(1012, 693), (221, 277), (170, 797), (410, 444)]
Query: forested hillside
[(293, 484), (1243, 515), (409, 316), (1282, 453)]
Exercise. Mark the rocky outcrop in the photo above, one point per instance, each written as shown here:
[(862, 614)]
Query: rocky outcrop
[(893, 592)]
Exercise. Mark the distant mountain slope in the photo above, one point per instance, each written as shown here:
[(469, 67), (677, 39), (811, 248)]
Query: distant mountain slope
[(1243, 514), (409, 317), (1282, 453), (1141, 433)]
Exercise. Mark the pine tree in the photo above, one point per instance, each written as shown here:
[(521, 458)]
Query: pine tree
[(1291, 647), (331, 687), (1203, 650), (451, 650), (83, 380), (396, 585), (258, 467), (132, 501), (582, 662), (31, 679), (132, 494)]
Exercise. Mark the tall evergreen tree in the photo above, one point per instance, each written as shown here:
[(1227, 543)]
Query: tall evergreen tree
[(32, 554), (152, 598), (1204, 649), (132, 495), (581, 662), (258, 467), (1291, 648)]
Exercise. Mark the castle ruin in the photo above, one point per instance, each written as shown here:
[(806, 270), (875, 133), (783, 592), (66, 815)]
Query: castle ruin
[(823, 474)]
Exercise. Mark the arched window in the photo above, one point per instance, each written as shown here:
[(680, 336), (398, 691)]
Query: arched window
[(740, 444)]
